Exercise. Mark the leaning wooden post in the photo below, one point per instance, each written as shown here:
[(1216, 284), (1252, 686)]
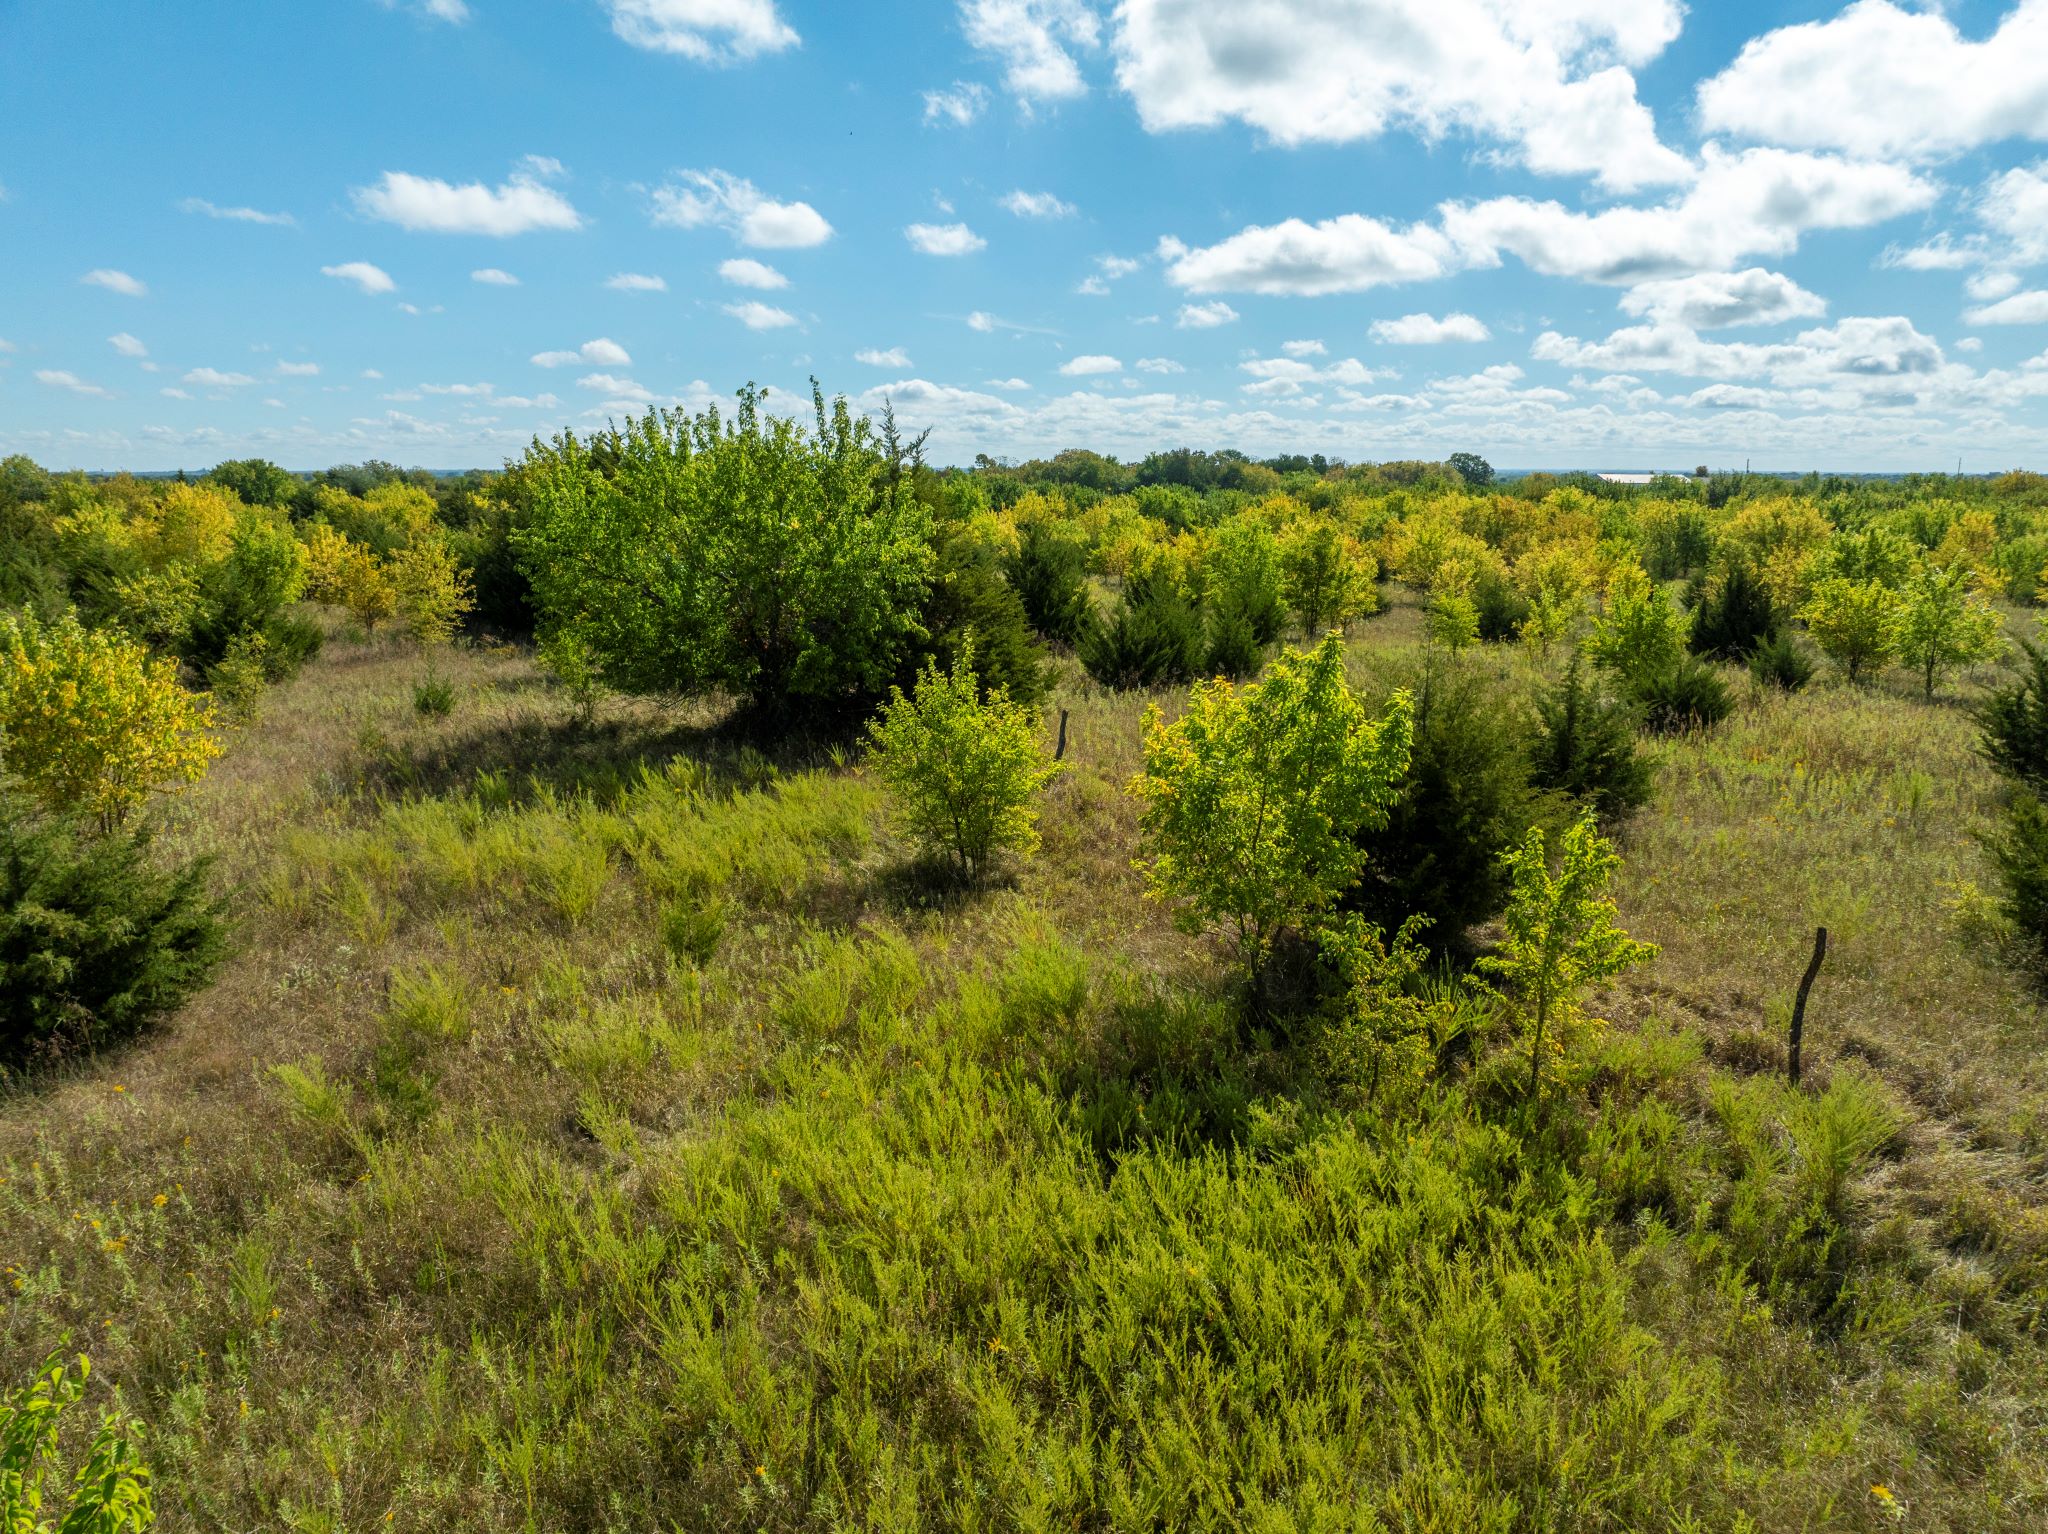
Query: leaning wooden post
[(1820, 951), (1060, 750)]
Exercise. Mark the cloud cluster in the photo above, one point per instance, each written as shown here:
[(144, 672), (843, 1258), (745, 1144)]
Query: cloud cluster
[(522, 203), (708, 31)]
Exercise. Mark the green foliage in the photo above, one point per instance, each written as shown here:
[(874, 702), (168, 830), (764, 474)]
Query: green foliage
[(246, 591), (1475, 471), (1855, 623), (1585, 746), (1452, 621), (1562, 935), (778, 562), (433, 696), (257, 481), (2014, 722), (1638, 636), (2019, 855), (108, 1493), (1049, 572), (965, 769), (1382, 1032), (1324, 581), (1154, 638), (565, 656), (1734, 615), (1254, 799), (1499, 606), (97, 940), (237, 680), (1461, 800), (972, 608), (1779, 662), (1242, 586), (90, 722), (1940, 626), (1690, 695), (433, 592)]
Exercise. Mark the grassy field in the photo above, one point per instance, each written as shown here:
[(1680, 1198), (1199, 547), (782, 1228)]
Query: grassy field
[(609, 1128)]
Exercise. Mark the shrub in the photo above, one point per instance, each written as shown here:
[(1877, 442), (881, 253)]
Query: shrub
[(1255, 798), (970, 606), (1325, 579), (109, 1491), (1940, 626), (1690, 695), (433, 592), (964, 768), (433, 696), (779, 562), (1154, 637), (237, 680), (1855, 623), (1462, 799), (1452, 621), (1637, 636), (1585, 746), (1049, 573), (565, 657), (1241, 580), (1234, 649), (1734, 614), (1561, 936), (2019, 854), (288, 643), (96, 940), (1779, 662), (1499, 605), (89, 722), (262, 573), (2014, 722)]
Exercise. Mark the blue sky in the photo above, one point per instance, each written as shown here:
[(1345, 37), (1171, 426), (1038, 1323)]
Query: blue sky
[(1609, 233)]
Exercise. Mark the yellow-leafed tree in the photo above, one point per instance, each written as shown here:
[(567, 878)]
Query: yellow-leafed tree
[(89, 722)]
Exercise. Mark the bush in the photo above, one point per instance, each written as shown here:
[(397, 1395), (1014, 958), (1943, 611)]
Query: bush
[(433, 697), (1637, 636), (1241, 580), (1734, 615), (89, 722), (1256, 798), (1779, 662), (1154, 637), (1326, 579), (288, 643), (2014, 722), (780, 562), (1463, 799), (971, 607), (1855, 623), (108, 1492), (1234, 649), (2019, 854), (964, 768), (96, 940), (1689, 695), (1941, 626), (1585, 746), (1499, 605), (1049, 573)]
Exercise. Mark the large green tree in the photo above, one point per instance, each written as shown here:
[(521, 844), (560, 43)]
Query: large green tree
[(775, 560)]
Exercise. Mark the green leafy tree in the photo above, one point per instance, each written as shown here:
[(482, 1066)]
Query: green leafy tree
[(965, 769), (108, 1493), (1941, 626), (256, 480), (1241, 579), (1452, 621), (1638, 635), (779, 562), (1153, 637), (1855, 623), (1475, 471), (1049, 572), (1255, 798), (1562, 935), (2014, 721), (1734, 614), (1324, 579)]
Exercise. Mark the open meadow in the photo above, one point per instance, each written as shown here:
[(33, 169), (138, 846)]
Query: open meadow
[(607, 1116)]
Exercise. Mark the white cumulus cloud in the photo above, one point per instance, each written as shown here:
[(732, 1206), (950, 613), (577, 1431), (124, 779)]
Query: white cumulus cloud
[(636, 282), (298, 369), (115, 282), (1083, 367), (1715, 300), (744, 272), (944, 239), (493, 277), (214, 378), (56, 378), (1547, 79), (371, 279), (1346, 254), (716, 199), (127, 345), (1038, 205), (1205, 316), (756, 315), (1428, 330), (603, 352), (236, 215), (894, 357), (522, 203), (1032, 39), (959, 105), (708, 31), (2030, 308)]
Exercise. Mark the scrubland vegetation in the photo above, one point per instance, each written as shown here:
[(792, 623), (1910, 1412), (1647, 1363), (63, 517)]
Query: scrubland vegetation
[(582, 997)]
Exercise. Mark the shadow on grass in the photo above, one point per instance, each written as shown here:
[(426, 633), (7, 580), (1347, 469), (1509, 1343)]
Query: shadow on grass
[(603, 758)]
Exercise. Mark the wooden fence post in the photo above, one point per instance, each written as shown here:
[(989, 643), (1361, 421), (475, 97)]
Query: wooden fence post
[(1820, 951), (1061, 750)]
